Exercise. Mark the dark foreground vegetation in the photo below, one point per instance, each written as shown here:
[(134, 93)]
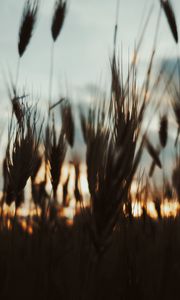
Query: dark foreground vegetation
[(140, 261), (105, 253)]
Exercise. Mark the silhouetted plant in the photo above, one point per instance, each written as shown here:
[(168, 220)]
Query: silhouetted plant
[(67, 122), (176, 177), (27, 25), (167, 7), (20, 157), (153, 153), (55, 149), (58, 18), (56, 27), (163, 131)]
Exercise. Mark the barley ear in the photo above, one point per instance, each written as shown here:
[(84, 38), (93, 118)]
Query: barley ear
[(28, 21), (163, 131), (58, 18), (168, 10)]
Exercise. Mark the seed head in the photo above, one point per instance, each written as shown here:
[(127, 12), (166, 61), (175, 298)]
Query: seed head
[(58, 18), (28, 21)]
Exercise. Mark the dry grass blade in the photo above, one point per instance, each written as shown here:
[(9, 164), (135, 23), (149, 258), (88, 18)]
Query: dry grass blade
[(176, 108), (55, 154), (5, 175), (153, 153), (39, 193), (168, 192), (58, 18), (65, 200), (176, 177), (27, 25), (18, 108), (77, 192), (163, 131), (167, 7), (36, 165), (68, 122), (153, 164), (116, 88), (17, 102), (83, 126), (152, 168), (56, 104), (157, 203)]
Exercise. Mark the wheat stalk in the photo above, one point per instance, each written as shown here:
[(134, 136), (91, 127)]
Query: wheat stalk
[(168, 10), (163, 131)]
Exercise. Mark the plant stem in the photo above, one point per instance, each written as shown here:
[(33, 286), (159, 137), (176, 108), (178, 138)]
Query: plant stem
[(51, 73), (17, 73)]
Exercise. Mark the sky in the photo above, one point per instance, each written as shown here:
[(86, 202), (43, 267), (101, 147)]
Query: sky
[(84, 47)]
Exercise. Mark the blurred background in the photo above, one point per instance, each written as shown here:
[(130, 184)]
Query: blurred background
[(83, 51)]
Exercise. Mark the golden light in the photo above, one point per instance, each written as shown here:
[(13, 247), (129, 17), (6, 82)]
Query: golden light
[(83, 180), (26, 226), (136, 209), (170, 208), (28, 211), (151, 210)]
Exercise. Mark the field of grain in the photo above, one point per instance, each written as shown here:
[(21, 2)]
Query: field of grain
[(107, 227)]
